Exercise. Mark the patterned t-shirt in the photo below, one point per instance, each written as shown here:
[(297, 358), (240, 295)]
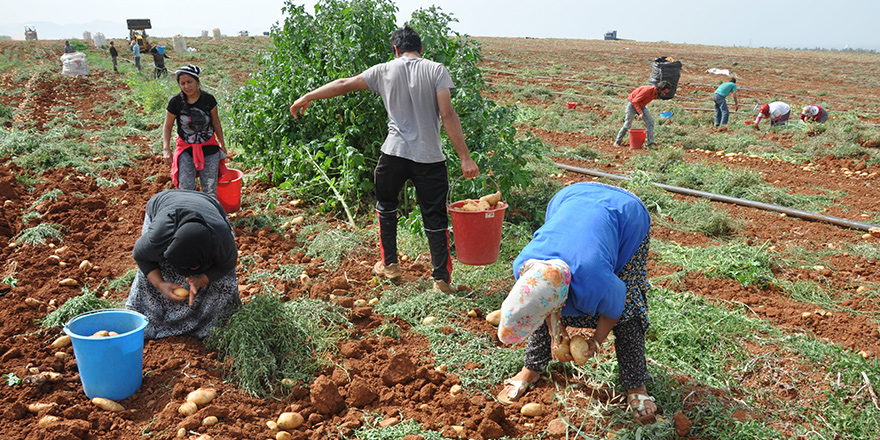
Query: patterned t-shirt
[(193, 120)]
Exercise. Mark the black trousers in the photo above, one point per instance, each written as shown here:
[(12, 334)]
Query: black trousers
[(431, 181)]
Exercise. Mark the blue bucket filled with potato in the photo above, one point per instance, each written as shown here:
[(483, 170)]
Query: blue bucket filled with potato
[(109, 349)]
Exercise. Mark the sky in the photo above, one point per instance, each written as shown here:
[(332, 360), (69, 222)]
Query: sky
[(809, 24)]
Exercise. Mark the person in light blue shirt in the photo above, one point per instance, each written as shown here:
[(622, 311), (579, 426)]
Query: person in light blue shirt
[(720, 98), (586, 267), (136, 48)]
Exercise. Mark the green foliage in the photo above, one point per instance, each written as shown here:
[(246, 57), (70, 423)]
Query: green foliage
[(750, 265), (409, 427), (11, 379), (39, 234), (341, 136), (267, 340), (332, 245), (124, 282), (73, 307)]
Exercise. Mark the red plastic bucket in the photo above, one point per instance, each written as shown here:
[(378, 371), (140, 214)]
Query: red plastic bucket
[(637, 137), (229, 190), (571, 105), (477, 233)]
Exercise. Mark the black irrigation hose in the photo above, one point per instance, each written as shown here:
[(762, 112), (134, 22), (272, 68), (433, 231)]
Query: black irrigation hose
[(735, 200)]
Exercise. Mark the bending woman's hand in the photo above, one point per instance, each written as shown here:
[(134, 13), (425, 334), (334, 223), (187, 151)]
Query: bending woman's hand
[(196, 282)]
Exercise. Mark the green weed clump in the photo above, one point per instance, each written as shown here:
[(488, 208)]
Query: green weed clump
[(268, 340), (39, 234), (750, 265), (73, 307)]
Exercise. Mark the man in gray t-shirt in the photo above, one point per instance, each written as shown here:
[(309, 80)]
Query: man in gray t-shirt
[(417, 97)]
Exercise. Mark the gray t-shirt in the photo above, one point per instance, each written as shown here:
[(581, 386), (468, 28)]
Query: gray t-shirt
[(408, 88)]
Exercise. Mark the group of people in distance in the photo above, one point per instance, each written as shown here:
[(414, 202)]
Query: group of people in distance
[(586, 267), (777, 112)]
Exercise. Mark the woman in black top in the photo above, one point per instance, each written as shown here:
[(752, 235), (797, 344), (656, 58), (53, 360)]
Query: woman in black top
[(186, 242), (200, 149)]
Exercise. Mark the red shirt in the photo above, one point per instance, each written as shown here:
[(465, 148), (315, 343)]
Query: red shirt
[(641, 96)]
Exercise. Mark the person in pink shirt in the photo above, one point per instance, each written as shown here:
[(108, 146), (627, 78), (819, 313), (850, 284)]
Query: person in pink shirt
[(814, 113), (777, 112), (635, 107)]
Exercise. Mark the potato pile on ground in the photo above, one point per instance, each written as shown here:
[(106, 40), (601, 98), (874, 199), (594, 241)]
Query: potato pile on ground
[(485, 203)]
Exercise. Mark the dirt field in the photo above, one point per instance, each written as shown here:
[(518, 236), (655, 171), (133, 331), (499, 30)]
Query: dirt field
[(384, 375)]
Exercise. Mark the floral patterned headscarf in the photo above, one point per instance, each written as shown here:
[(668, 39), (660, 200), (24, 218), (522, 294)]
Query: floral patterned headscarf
[(540, 291)]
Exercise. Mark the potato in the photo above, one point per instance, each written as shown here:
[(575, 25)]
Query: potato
[(428, 320), (360, 303), (272, 425), (492, 199), (70, 282), (290, 420), (210, 421), (532, 409), (455, 390), (298, 220), (85, 266), (563, 351), (101, 334), (181, 433), (288, 382), (469, 206), (112, 333), (494, 318), (188, 409), (443, 368), (62, 341), (107, 404), (283, 435), (52, 376), (32, 302), (202, 396), (37, 407), (579, 346), (180, 292), (48, 420), (483, 205)]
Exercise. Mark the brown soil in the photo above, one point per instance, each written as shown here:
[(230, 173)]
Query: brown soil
[(373, 375)]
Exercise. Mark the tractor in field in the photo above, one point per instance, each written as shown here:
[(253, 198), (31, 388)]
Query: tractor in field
[(30, 33), (137, 33)]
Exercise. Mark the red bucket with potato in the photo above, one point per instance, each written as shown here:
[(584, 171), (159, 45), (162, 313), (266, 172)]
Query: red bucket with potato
[(477, 229)]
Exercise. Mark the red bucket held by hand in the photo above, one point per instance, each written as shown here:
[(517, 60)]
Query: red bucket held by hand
[(477, 233)]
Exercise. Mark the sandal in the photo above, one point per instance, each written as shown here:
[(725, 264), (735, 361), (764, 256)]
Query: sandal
[(637, 404), (513, 390)]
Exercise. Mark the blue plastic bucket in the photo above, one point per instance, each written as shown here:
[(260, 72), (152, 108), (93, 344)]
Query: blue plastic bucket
[(666, 115), (112, 366)]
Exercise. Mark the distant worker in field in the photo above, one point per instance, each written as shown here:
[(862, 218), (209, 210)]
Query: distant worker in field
[(68, 48), (200, 150), (159, 61), (136, 49), (814, 113), (777, 112), (113, 54), (585, 267), (722, 114), (417, 97), (635, 107), (186, 243)]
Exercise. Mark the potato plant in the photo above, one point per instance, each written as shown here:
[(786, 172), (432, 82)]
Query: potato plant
[(340, 138)]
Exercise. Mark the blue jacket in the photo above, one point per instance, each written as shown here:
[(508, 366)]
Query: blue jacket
[(596, 229)]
